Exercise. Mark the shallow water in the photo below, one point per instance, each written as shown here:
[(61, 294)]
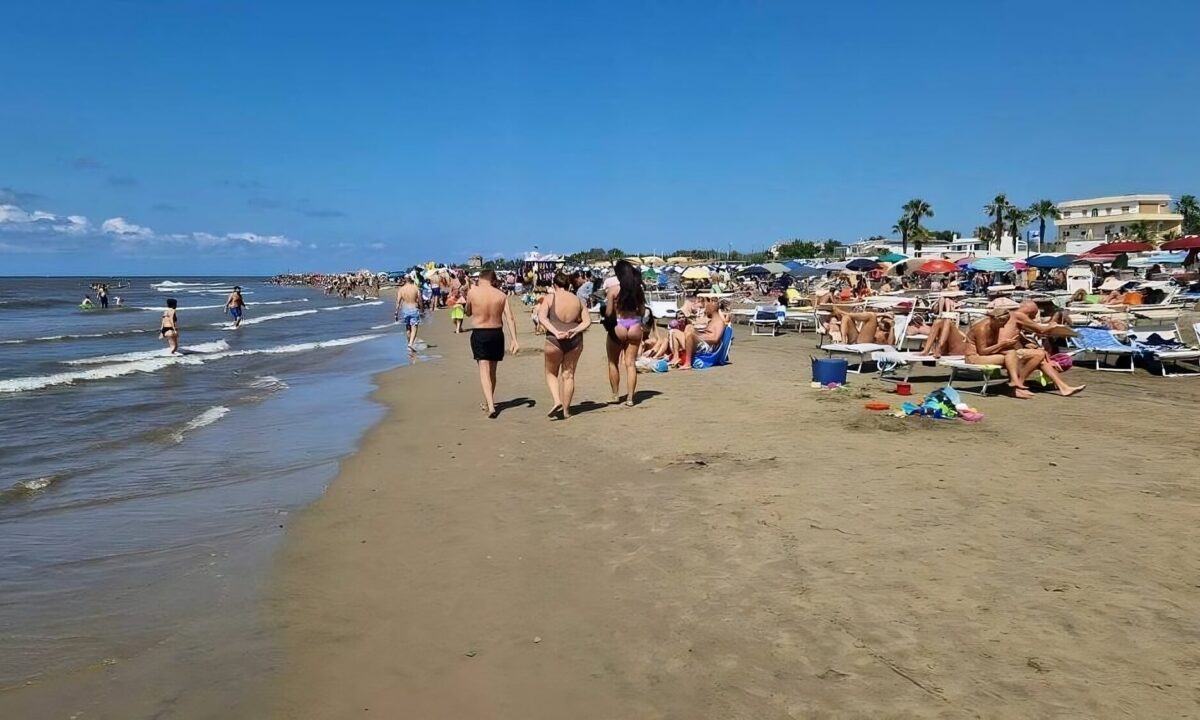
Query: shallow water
[(141, 494)]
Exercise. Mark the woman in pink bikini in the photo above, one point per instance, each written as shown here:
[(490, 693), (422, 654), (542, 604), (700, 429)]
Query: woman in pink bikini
[(626, 304)]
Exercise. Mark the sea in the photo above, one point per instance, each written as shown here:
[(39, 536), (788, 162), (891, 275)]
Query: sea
[(142, 494)]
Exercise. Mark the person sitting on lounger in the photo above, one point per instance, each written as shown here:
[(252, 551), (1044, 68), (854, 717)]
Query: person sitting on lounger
[(1023, 319), (944, 338), (985, 347), (862, 327), (703, 341)]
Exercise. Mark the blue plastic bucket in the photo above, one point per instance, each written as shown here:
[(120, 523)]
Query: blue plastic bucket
[(829, 370)]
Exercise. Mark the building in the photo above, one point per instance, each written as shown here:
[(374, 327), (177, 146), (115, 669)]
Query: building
[(1087, 223), (475, 262), (945, 249)]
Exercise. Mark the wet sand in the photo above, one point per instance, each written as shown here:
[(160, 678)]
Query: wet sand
[(741, 546)]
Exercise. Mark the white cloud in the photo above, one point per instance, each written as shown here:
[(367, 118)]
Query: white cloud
[(377, 246), (123, 232), (124, 229), (14, 219)]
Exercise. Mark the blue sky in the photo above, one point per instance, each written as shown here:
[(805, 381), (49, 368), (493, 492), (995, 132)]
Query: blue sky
[(204, 136)]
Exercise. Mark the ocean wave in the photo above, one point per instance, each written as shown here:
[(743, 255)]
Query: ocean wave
[(355, 305), (202, 348), (174, 284), (36, 303), (26, 488), (212, 307), (268, 382), (204, 419), (54, 338), (156, 363), (385, 326), (265, 318)]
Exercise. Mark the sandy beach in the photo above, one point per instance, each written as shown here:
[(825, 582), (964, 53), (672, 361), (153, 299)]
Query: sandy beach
[(740, 545)]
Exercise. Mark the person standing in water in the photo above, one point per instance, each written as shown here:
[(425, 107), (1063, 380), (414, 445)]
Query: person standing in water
[(102, 293), (625, 304), (408, 308), (488, 308), (565, 319), (235, 305), (170, 326)]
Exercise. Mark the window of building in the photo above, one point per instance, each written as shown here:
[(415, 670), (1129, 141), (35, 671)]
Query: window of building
[(1095, 212), (1125, 209), (1066, 233)]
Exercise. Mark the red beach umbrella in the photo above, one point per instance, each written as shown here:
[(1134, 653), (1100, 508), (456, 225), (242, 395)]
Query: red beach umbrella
[(1121, 246), (937, 266), (1187, 242)]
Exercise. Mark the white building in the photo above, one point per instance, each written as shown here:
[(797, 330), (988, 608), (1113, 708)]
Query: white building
[(951, 249), (1087, 223)]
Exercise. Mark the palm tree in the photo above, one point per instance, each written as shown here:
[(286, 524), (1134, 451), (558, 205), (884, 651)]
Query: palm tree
[(998, 208), (917, 209), (985, 233), (830, 248), (1016, 217), (902, 228), (1187, 206), (1041, 210), (1141, 230)]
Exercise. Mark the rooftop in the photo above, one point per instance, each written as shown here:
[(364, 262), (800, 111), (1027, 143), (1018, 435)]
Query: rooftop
[(1112, 199)]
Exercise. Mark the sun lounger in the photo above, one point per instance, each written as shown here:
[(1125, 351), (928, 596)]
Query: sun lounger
[(1102, 344), (1165, 350), (898, 365), (663, 309), (960, 367), (865, 351), (767, 320)]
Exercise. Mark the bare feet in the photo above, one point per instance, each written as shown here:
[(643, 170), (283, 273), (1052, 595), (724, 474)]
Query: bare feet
[(1021, 393), (1072, 390), (554, 411)]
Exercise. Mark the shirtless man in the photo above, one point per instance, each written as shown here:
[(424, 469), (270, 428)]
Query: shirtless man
[(1021, 319), (984, 347), (488, 308), (408, 308), (234, 305), (703, 342)]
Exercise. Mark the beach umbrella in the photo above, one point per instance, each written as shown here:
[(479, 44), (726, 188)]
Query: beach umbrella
[(650, 273), (696, 273), (793, 264), (678, 260), (1168, 258), (937, 266), (893, 257), (966, 261), (756, 270), (634, 259), (834, 266), (862, 265), (991, 264), (1020, 264), (806, 271), (652, 260), (1047, 262), (1187, 242), (775, 268), (1121, 246)]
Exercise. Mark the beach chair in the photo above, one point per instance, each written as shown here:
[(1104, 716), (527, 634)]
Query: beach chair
[(663, 309), (1102, 344), (987, 374), (767, 320), (1166, 351), (897, 365), (864, 351), (717, 357)]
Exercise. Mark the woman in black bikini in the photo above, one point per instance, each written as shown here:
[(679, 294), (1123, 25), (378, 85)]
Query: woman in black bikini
[(565, 320), (170, 328), (626, 303)]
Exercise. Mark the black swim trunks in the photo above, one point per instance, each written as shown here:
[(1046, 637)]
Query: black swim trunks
[(487, 344)]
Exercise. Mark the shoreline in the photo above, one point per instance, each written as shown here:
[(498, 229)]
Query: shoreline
[(740, 545)]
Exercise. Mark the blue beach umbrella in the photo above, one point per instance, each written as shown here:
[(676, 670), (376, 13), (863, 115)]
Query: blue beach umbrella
[(1047, 262), (893, 257), (992, 264)]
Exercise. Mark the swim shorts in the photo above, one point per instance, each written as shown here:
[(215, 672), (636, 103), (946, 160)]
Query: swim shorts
[(487, 344), (235, 313), (704, 348), (411, 317)]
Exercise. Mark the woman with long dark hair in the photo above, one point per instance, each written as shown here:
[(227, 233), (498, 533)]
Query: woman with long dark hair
[(626, 303), (565, 319)]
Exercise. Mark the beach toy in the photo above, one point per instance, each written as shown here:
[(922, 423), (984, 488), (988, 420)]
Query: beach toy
[(904, 389), (662, 365), (829, 370), (877, 406), (1064, 361), (972, 416)]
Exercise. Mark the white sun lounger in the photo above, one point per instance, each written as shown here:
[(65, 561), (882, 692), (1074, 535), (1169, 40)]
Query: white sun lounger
[(864, 351), (1177, 362), (767, 320), (960, 367), (1102, 344), (898, 365)]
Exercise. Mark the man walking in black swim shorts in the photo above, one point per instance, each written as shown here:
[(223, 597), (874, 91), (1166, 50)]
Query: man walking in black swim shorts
[(488, 309)]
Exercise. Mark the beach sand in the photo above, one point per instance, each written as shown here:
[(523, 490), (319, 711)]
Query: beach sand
[(740, 545)]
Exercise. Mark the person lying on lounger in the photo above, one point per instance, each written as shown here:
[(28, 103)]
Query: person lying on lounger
[(944, 338), (860, 327)]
